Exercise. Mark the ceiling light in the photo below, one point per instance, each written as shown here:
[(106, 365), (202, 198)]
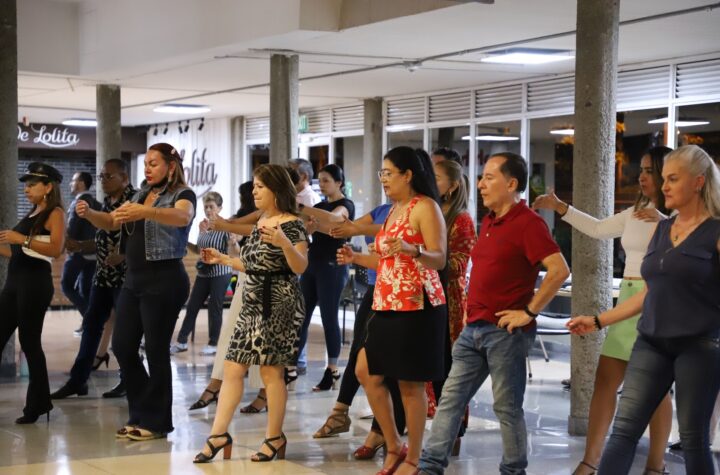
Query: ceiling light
[(181, 109), (80, 122), (527, 56), (155, 132), (682, 122), (563, 131), (202, 124), (493, 138), (165, 130), (180, 128)]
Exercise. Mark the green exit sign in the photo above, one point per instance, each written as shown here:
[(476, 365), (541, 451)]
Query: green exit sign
[(303, 124)]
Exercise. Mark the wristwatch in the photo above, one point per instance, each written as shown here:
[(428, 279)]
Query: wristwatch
[(420, 248), (26, 243)]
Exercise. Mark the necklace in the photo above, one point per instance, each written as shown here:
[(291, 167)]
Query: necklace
[(686, 230)]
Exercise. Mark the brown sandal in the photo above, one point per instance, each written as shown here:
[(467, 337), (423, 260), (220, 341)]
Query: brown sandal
[(330, 429)]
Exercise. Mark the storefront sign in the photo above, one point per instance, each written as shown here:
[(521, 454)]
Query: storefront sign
[(52, 136), (200, 174)]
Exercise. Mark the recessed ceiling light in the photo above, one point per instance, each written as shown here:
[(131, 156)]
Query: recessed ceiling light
[(80, 122), (494, 138), (527, 56), (682, 122), (564, 131), (181, 109)]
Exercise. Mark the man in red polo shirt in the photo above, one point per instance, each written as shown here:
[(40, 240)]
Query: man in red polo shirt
[(512, 244)]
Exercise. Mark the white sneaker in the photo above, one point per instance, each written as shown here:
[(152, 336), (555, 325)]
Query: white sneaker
[(178, 348), (208, 350)]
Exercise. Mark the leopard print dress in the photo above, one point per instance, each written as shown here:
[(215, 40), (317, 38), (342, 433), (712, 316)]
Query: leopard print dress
[(267, 331)]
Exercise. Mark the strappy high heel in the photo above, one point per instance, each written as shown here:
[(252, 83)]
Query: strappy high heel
[(226, 447), (336, 423), (277, 452), (417, 469), (201, 403), (650, 471), (251, 409), (291, 376), (400, 459), (594, 469), (99, 360)]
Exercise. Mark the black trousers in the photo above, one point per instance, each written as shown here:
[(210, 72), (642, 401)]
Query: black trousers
[(102, 301), (151, 309), (23, 303), (213, 289), (349, 384)]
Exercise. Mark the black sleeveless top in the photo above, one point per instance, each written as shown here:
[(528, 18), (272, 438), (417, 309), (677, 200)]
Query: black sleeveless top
[(683, 283), (21, 262)]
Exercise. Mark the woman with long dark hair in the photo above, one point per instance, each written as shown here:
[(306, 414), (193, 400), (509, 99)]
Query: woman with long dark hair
[(31, 245), (405, 339), (155, 225), (679, 332), (635, 227), (324, 280), (267, 328)]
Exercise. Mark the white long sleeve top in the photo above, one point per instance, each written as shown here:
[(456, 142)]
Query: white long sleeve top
[(634, 234)]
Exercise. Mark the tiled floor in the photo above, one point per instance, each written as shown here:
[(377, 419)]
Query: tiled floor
[(80, 436)]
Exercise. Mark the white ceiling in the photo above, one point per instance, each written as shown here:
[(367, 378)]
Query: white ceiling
[(165, 72)]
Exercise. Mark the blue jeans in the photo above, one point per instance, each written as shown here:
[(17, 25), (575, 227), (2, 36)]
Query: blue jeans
[(694, 364), (322, 284), (76, 280), (102, 301), (483, 350)]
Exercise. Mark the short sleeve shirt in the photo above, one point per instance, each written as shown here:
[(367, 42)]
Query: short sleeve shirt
[(506, 262)]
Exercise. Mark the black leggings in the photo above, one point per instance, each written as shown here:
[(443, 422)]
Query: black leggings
[(349, 384), (23, 303), (151, 310)]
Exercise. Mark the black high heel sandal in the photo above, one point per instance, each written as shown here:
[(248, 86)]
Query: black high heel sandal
[(226, 447), (328, 381), (99, 360), (291, 376), (252, 409), (32, 418), (201, 403), (278, 452)]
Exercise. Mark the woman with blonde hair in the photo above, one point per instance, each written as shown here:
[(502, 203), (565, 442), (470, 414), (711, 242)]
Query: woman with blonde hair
[(679, 331)]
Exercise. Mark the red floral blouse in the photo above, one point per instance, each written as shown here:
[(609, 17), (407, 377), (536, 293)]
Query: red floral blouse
[(461, 240), (400, 278)]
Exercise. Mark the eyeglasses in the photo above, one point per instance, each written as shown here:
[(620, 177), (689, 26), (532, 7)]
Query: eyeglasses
[(105, 176), (384, 174)]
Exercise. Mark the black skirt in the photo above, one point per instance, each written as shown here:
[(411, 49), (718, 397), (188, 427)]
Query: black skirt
[(408, 346)]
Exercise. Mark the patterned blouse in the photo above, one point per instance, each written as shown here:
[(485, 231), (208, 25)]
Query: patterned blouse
[(400, 278), (461, 240)]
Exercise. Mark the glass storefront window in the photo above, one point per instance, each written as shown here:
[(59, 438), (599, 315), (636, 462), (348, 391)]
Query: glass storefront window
[(456, 138), (409, 138), (259, 155), (493, 138), (700, 125), (358, 174)]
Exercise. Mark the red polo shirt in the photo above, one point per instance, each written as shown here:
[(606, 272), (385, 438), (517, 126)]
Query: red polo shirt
[(506, 262)]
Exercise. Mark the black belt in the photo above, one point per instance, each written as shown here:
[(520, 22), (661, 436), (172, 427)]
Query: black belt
[(267, 287)]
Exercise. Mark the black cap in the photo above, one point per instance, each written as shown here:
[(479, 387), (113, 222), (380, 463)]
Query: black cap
[(42, 172)]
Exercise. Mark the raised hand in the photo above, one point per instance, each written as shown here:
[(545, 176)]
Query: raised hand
[(8, 236), (82, 208), (548, 201), (345, 255), (215, 223), (274, 236), (345, 229), (204, 225), (129, 212), (650, 215), (211, 255), (395, 245)]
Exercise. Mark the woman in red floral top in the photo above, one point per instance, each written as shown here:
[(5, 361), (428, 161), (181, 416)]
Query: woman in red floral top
[(461, 238), (406, 337)]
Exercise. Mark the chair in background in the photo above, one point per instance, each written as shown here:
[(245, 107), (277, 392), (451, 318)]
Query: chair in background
[(548, 324), (353, 293)]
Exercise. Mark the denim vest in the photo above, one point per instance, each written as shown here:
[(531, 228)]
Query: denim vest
[(163, 242)]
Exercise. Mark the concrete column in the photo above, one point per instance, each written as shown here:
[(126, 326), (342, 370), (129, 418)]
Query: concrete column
[(109, 130), (283, 108), (593, 187), (372, 146), (8, 147)]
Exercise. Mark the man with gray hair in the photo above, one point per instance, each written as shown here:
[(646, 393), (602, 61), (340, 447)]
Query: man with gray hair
[(305, 194)]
